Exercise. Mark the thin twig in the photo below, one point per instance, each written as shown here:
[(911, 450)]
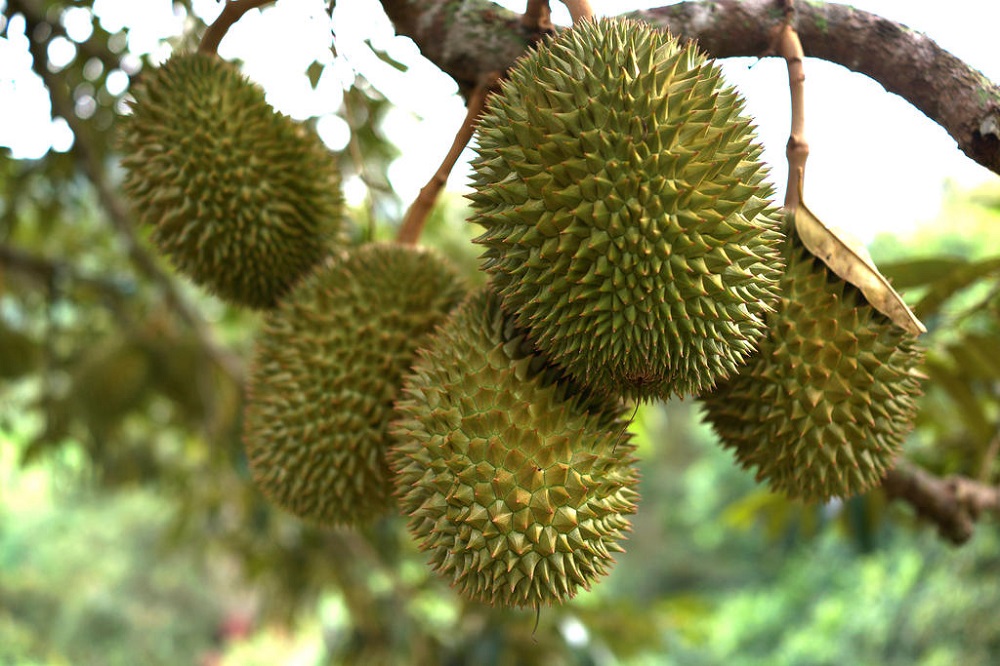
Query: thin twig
[(797, 150), (232, 12), (579, 10), (953, 503), (537, 16), (416, 216)]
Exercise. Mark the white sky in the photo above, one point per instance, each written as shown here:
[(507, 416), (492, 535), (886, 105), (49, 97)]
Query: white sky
[(875, 164)]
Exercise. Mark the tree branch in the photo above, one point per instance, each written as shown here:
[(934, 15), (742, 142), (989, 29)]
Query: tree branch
[(953, 503), (470, 38), (537, 16)]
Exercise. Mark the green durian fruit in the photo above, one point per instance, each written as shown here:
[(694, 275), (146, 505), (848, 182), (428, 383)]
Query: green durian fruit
[(823, 408), (516, 480), (328, 366), (627, 219), (242, 200)]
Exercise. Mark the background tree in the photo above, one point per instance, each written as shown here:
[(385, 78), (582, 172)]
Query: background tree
[(122, 392)]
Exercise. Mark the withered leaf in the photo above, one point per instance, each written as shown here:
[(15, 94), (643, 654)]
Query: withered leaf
[(847, 256)]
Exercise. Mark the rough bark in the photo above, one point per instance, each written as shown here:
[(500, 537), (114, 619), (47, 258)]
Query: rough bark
[(467, 39), (953, 503)]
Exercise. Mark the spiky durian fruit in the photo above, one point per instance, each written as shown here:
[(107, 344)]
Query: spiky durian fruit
[(242, 200), (328, 366), (823, 408), (515, 480), (628, 224)]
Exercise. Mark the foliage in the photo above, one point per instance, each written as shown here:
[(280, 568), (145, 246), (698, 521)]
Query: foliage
[(61, 604)]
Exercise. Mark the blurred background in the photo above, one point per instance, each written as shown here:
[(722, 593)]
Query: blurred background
[(131, 533)]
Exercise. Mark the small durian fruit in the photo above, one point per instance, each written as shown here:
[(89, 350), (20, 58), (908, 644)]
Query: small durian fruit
[(822, 410), (628, 225), (328, 365), (515, 480), (241, 199)]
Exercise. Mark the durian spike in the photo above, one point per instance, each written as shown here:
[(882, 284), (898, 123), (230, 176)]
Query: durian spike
[(232, 11), (416, 215)]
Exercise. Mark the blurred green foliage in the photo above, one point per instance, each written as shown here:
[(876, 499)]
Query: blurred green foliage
[(130, 531)]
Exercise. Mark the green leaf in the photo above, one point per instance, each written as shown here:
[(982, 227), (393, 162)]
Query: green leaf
[(956, 280), (976, 357), (919, 272), (387, 59), (969, 407), (314, 72)]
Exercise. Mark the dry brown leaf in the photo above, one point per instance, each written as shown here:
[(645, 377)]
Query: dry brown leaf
[(847, 256)]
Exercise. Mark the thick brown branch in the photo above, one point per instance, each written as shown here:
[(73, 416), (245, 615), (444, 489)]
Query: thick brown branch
[(953, 503), (537, 16), (470, 38)]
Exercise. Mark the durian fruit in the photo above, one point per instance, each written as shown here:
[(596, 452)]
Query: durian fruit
[(242, 200), (822, 410), (516, 481), (627, 219), (328, 366)]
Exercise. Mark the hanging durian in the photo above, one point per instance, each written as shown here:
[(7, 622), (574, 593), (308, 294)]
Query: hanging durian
[(628, 223), (516, 481), (822, 410), (241, 199), (327, 368)]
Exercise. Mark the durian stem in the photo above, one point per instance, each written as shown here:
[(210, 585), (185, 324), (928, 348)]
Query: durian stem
[(232, 11), (537, 16), (797, 149), (416, 216), (579, 10)]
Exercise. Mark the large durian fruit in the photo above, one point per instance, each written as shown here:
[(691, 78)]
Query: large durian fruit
[(516, 480), (241, 199), (627, 219), (328, 366), (823, 408)]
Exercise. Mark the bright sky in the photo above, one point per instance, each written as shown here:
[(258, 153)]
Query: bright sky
[(875, 163)]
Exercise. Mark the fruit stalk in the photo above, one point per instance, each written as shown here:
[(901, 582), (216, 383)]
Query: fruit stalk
[(416, 216), (232, 11), (797, 149), (579, 10)]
